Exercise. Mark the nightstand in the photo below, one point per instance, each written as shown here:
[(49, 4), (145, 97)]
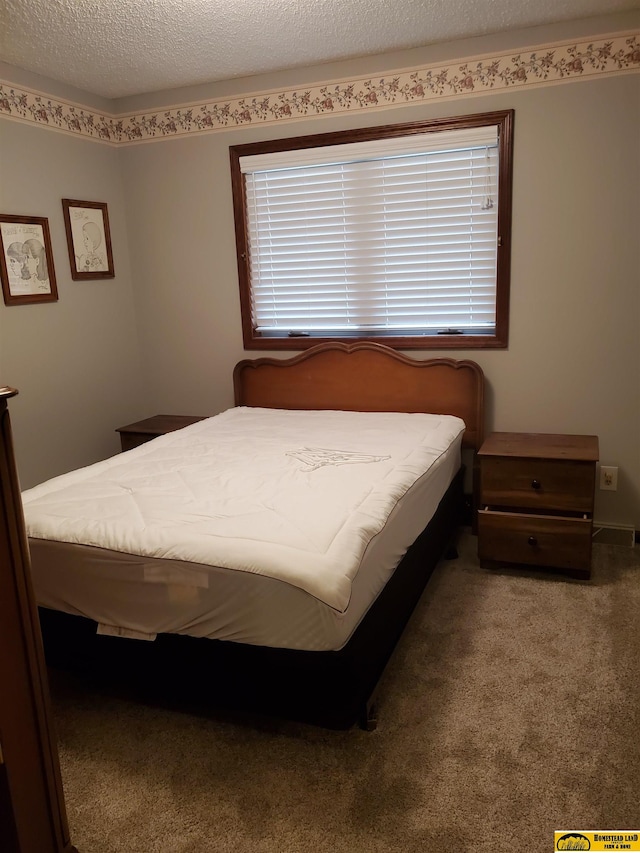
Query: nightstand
[(138, 433), (536, 501)]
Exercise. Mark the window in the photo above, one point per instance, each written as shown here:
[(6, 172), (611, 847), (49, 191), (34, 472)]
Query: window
[(399, 234)]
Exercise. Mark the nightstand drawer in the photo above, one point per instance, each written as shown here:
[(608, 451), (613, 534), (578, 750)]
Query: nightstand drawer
[(129, 440), (537, 540), (554, 485)]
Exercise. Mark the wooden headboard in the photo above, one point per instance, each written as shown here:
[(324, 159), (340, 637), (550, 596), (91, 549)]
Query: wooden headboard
[(366, 377)]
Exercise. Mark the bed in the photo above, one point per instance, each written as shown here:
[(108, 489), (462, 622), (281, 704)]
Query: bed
[(266, 559)]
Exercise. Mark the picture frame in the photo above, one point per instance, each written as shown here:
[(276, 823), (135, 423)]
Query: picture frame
[(88, 239), (26, 260)]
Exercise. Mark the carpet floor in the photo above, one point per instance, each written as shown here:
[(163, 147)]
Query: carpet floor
[(510, 709)]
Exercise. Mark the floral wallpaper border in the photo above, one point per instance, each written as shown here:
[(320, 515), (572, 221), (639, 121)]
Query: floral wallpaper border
[(543, 65)]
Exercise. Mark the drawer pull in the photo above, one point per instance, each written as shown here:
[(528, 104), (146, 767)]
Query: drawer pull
[(532, 541), (535, 484)]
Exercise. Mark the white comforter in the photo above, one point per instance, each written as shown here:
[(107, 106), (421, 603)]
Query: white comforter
[(294, 495)]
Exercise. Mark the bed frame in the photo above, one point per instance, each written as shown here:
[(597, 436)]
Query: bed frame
[(331, 689)]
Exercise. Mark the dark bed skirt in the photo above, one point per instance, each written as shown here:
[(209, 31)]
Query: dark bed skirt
[(330, 689)]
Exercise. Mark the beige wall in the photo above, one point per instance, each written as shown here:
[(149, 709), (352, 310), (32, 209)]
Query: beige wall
[(75, 362), (573, 363)]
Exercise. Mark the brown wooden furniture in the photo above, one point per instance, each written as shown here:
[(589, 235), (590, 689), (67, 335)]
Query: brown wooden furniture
[(138, 433), (330, 688), (365, 377), (536, 501), (32, 811)]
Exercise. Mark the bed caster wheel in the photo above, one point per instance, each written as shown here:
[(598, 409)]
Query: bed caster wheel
[(369, 718)]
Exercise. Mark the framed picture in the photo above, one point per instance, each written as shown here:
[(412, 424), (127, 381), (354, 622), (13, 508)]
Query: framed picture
[(88, 239), (26, 260)]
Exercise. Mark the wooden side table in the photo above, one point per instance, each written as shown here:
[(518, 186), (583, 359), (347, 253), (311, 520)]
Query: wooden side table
[(138, 433), (536, 501)]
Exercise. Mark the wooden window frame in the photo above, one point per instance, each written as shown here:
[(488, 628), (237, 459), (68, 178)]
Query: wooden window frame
[(504, 120)]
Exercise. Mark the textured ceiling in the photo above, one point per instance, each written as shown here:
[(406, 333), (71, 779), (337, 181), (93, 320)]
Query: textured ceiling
[(116, 48)]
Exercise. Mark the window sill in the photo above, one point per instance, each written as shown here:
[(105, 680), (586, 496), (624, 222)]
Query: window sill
[(419, 342)]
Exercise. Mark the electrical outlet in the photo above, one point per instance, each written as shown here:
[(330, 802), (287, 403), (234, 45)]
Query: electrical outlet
[(609, 477)]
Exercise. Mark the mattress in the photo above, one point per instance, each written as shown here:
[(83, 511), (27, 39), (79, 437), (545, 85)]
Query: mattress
[(259, 526)]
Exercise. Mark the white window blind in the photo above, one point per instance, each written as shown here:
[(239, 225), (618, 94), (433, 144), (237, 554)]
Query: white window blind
[(395, 237)]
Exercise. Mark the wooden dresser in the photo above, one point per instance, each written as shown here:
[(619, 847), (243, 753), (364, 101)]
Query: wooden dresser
[(536, 501), (33, 817)]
